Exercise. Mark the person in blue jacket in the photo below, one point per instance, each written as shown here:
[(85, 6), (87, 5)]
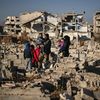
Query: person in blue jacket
[(27, 55)]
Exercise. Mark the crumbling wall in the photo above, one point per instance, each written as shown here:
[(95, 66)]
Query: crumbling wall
[(5, 39)]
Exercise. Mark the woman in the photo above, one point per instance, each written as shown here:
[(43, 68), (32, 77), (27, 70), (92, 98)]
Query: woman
[(65, 48), (47, 47)]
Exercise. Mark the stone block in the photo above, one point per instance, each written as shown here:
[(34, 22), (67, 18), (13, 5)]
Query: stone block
[(82, 56), (75, 55), (71, 65), (83, 84)]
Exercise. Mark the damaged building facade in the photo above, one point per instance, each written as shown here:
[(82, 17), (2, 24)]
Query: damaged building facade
[(71, 24), (12, 25), (74, 25), (37, 22), (96, 24)]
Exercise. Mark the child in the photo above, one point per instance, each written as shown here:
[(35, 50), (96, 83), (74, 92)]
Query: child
[(60, 42), (35, 55), (60, 45)]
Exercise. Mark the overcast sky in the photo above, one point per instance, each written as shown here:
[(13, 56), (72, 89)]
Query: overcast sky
[(15, 7)]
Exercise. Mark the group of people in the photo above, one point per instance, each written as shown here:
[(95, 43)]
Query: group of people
[(38, 55)]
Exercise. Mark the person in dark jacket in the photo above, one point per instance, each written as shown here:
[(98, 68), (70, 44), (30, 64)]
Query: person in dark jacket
[(27, 55), (47, 46), (65, 48)]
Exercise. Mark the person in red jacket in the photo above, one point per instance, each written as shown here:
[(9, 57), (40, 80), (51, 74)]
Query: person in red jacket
[(35, 55)]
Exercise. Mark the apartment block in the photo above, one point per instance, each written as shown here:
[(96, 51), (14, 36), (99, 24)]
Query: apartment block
[(96, 24), (12, 25)]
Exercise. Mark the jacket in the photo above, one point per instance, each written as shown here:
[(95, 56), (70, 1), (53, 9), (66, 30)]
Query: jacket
[(27, 51), (47, 46), (36, 53)]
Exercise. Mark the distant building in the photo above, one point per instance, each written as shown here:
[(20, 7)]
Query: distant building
[(96, 24), (12, 25), (73, 22), (74, 25)]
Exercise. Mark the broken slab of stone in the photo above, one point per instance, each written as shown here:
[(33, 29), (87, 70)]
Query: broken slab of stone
[(83, 84), (82, 65), (8, 85), (82, 56), (55, 95), (70, 65), (78, 96), (65, 96), (78, 78), (69, 90)]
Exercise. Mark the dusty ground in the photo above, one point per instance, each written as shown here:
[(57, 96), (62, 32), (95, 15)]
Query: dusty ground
[(21, 94)]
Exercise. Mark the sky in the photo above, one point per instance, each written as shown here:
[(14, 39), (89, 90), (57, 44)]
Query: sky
[(15, 7)]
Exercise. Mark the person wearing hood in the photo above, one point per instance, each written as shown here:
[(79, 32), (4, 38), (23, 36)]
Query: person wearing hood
[(65, 48)]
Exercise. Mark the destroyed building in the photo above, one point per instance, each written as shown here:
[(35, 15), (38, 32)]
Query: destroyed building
[(37, 22), (71, 24), (12, 25), (74, 25), (72, 21), (96, 24)]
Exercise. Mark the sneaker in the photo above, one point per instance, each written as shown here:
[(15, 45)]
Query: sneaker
[(43, 66), (51, 66)]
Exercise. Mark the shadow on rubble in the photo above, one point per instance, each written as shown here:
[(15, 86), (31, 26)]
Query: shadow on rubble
[(47, 87), (18, 74), (54, 57), (15, 75), (95, 68)]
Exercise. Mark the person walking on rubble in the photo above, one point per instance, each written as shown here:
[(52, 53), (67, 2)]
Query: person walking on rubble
[(36, 56), (65, 48), (27, 56), (47, 48)]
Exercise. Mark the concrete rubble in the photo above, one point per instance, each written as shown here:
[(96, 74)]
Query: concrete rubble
[(76, 77)]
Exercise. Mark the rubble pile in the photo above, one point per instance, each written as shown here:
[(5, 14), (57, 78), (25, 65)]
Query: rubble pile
[(71, 78)]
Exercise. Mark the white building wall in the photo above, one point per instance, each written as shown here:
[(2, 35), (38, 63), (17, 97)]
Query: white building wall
[(52, 20), (83, 29)]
